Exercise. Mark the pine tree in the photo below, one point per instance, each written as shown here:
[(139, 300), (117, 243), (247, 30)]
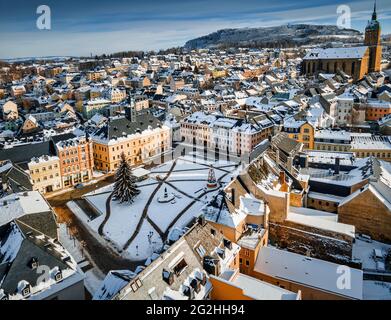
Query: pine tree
[(125, 189)]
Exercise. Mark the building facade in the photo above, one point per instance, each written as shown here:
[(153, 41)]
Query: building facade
[(302, 132), (228, 135), (76, 160), (328, 140), (139, 137), (372, 146), (45, 173)]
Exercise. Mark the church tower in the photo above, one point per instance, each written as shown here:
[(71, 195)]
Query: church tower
[(372, 40)]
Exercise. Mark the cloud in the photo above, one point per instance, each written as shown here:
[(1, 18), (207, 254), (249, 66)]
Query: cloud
[(81, 28)]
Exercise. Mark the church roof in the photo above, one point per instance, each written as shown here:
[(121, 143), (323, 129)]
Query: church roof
[(336, 53)]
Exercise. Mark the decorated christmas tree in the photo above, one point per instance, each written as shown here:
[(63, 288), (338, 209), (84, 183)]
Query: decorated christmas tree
[(125, 189)]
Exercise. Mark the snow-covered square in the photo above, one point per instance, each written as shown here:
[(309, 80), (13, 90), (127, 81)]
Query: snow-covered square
[(170, 198)]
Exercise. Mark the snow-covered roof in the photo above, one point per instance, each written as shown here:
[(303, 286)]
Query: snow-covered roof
[(140, 172), (113, 283), (218, 212), (307, 271), (325, 197), (371, 143), (319, 219), (336, 53), (19, 204), (261, 290), (252, 206), (332, 134)]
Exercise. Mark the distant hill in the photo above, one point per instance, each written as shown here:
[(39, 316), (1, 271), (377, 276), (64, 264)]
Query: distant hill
[(28, 59), (281, 36)]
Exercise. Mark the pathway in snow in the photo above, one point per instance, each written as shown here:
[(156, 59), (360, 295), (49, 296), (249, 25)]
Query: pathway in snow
[(189, 206), (145, 215), (108, 213), (145, 211), (151, 221)]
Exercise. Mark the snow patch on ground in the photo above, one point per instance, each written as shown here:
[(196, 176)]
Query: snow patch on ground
[(145, 244), (94, 276)]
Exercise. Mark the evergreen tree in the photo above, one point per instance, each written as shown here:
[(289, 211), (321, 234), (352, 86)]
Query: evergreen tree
[(125, 189)]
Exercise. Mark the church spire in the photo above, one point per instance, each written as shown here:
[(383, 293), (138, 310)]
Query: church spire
[(374, 14)]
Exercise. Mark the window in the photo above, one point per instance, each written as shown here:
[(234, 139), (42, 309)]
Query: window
[(26, 291), (180, 267), (247, 263), (201, 251)]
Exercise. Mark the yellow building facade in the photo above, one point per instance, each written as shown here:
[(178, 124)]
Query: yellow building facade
[(304, 134)]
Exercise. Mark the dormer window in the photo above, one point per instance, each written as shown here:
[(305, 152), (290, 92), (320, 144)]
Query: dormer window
[(33, 263), (26, 291), (24, 288), (221, 253), (58, 276)]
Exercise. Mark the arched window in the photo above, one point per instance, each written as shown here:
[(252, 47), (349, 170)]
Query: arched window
[(335, 66), (328, 67), (344, 67)]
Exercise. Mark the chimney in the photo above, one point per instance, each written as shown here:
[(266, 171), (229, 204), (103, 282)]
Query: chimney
[(227, 244), (277, 156), (201, 220), (168, 277), (303, 160), (189, 292), (211, 265), (282, 177), (337, 167)]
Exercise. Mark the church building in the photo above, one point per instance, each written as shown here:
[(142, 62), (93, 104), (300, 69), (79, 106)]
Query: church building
[(353, 61)]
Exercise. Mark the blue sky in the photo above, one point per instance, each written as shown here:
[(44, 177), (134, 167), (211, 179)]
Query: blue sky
[(84, 27)]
